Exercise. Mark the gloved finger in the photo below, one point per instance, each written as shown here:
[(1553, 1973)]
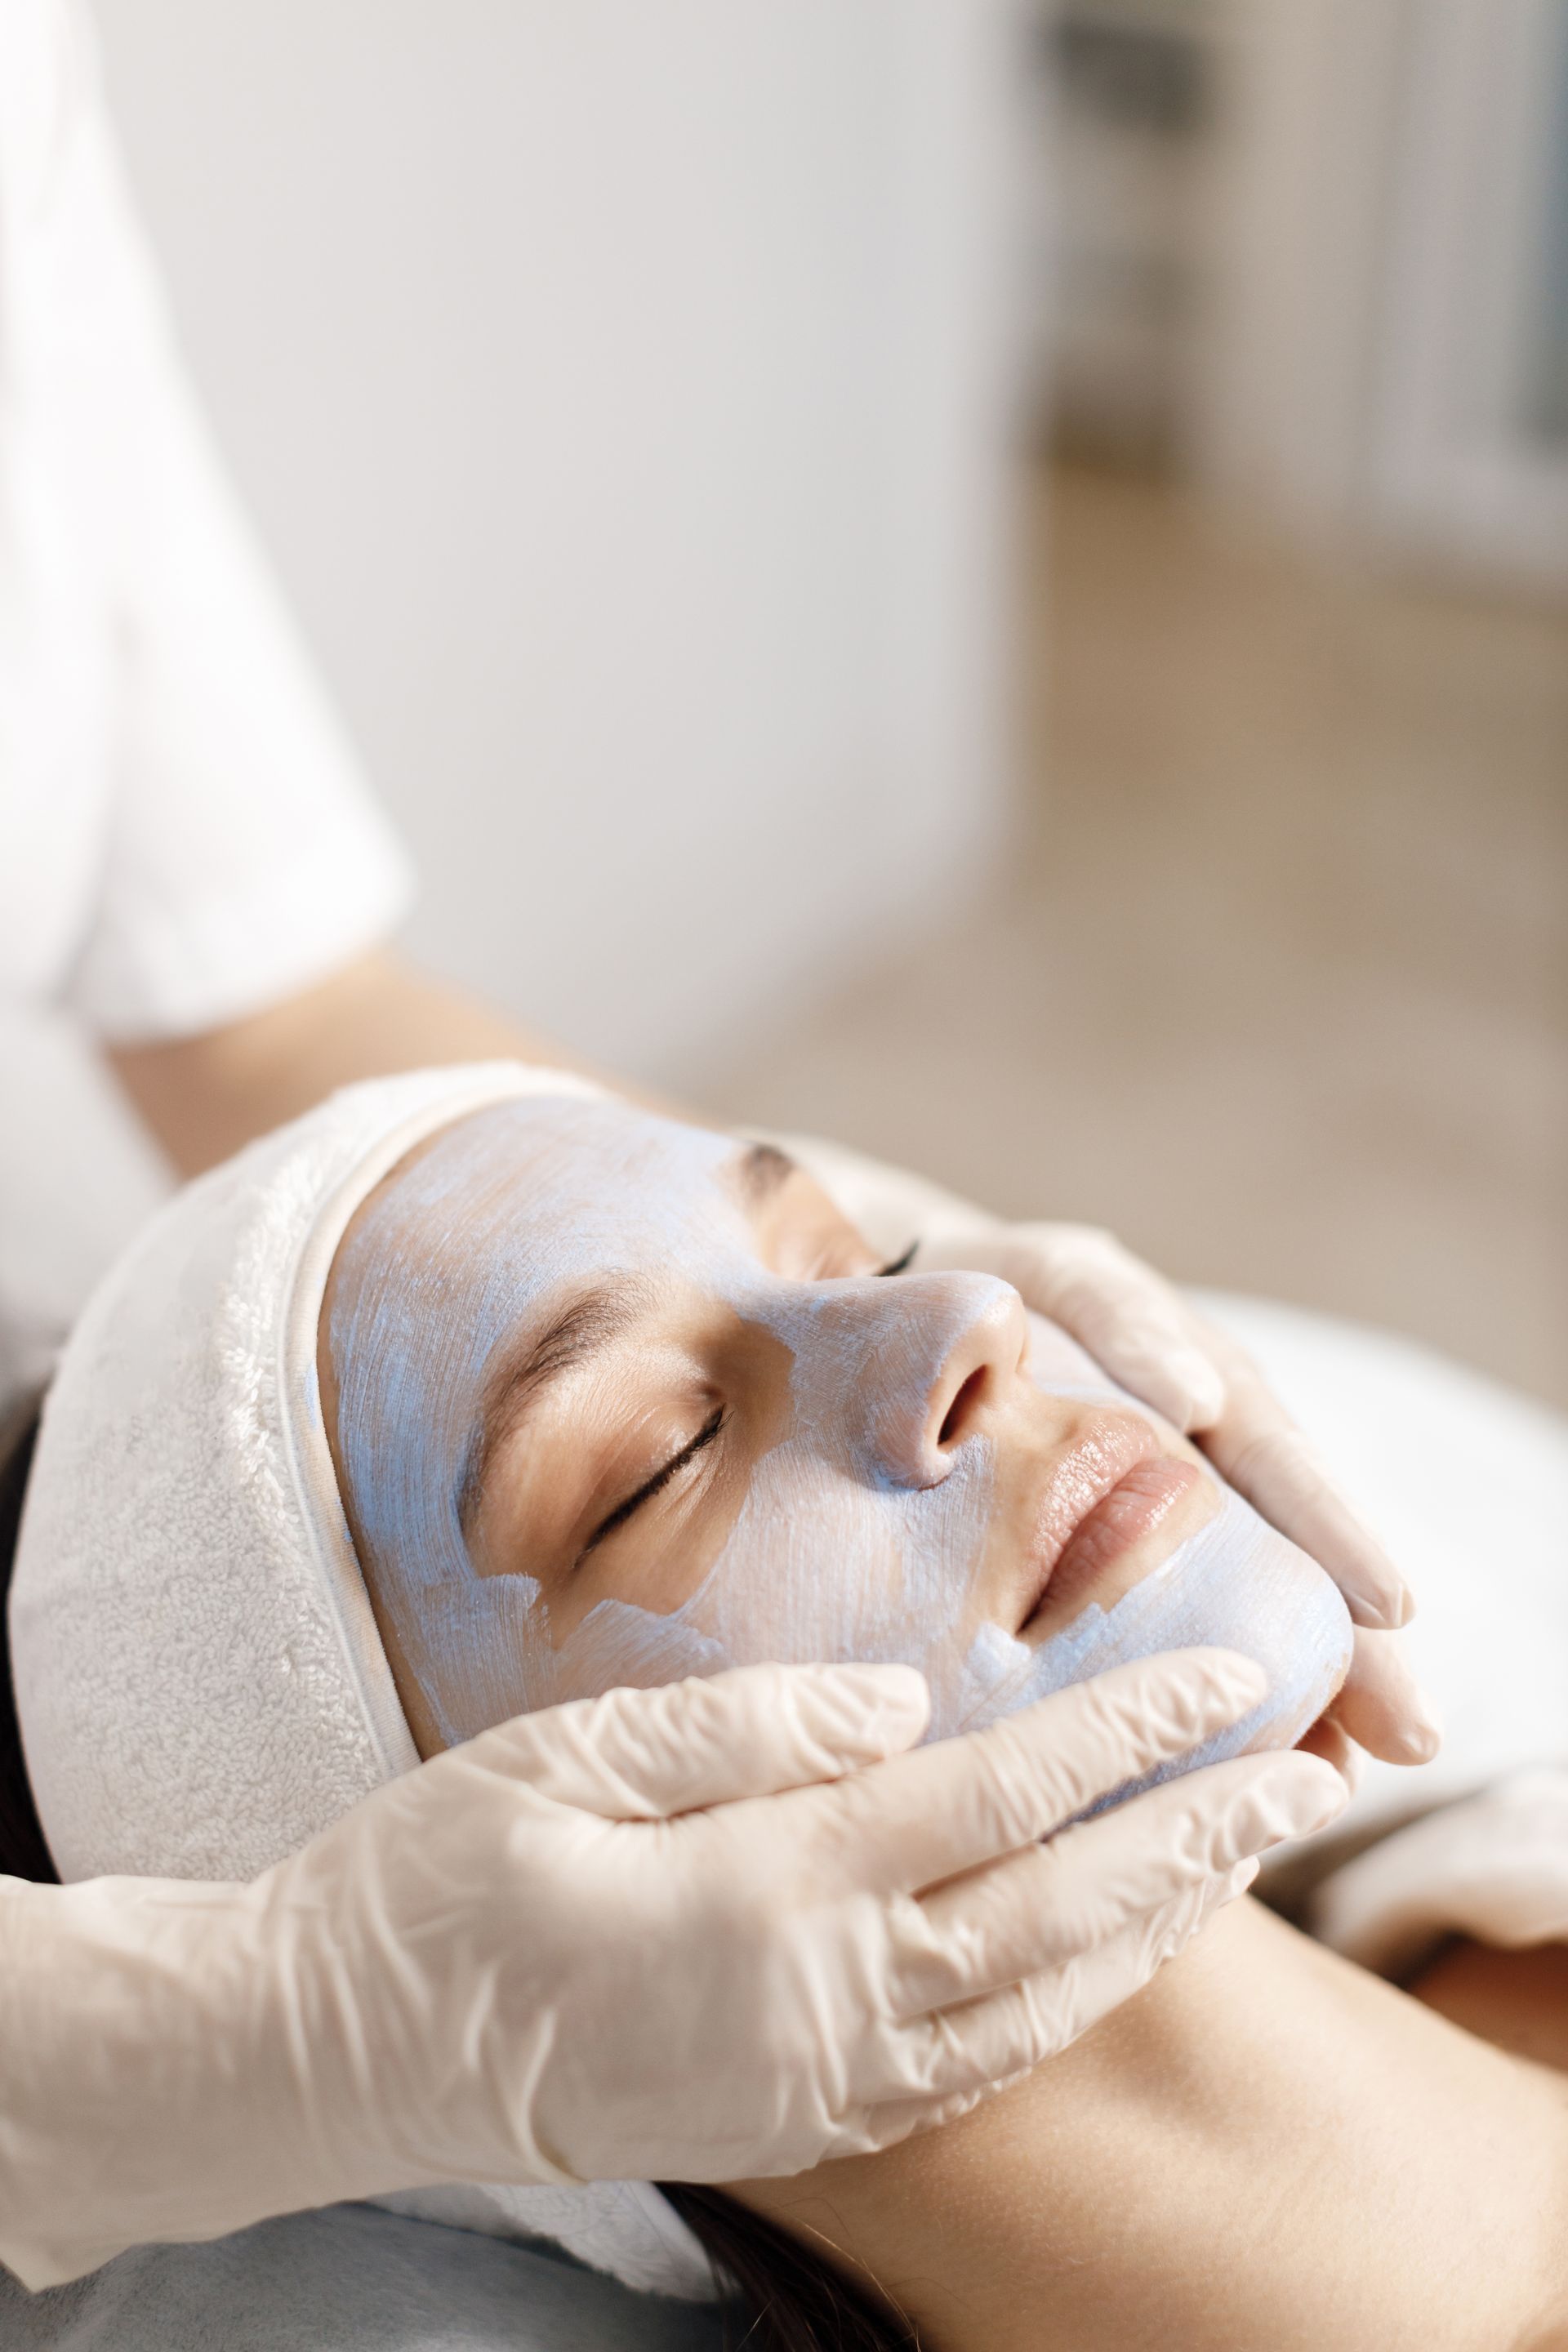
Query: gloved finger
[(958, 2053), (1130, 1319), (1256, 1445), (903, 1825), (1336, 1747), (1039, 1909), (645, 1754), (1383, 1707)]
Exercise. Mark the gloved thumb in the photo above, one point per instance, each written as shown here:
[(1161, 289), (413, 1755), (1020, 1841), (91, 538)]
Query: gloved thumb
[(643, 1755)]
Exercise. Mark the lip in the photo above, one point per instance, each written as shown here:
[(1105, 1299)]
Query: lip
[(1110, 1493)]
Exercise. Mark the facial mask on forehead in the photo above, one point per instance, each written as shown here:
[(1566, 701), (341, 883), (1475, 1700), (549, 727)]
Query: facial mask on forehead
[(831, 1556)]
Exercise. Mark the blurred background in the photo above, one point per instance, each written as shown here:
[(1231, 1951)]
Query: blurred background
[(985, 578)]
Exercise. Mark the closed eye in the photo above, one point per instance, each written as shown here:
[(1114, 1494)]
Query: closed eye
[(645, 1493), (901, 1264)]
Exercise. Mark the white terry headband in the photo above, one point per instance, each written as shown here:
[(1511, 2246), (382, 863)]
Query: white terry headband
[(200, 1682)]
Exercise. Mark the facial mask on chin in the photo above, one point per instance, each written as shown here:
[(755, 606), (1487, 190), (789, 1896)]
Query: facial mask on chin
[(828, 1557)]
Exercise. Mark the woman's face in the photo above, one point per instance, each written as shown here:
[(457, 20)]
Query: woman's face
[(617, 1401)]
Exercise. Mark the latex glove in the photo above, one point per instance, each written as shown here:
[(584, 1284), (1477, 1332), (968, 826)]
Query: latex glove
[(1154, 1343), (651, 1934)]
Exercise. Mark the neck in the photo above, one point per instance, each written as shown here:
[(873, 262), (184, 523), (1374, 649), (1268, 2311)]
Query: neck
[(1267, 2147)]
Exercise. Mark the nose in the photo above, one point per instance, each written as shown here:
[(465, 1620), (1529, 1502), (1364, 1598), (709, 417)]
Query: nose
[(962, 1343)]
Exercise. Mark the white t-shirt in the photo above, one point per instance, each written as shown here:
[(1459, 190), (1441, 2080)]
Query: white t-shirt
[(185, 836)]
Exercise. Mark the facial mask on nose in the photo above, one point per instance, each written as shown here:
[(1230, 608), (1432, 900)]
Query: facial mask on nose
[(833, 1554)]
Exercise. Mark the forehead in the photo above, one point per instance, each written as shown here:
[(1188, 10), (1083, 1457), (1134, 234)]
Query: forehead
[(558, 1188)]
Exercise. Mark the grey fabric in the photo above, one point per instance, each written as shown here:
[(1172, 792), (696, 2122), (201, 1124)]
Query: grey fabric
[(346, 2280)]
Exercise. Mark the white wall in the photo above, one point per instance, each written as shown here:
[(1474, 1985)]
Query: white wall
[(1386, 193), (1313, 91), (1460, 467), (617, 384)]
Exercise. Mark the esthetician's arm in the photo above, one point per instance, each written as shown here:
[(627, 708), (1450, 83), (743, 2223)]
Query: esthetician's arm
[(205, 1095), (721, 1928)]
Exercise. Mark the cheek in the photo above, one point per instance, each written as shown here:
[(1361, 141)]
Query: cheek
[(817, 1566), (830, 1556), (465, 1653)]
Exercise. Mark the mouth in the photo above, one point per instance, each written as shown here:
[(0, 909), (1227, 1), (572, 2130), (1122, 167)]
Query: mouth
[(1105, 1506)]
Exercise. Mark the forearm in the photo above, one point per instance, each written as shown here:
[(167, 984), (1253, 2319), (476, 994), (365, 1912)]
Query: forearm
[(1267, 2147), (204, 1097), (145, 2086)]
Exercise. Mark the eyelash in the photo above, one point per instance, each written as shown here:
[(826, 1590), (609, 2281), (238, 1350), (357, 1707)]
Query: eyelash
[(901, 1264), (645, 1493)]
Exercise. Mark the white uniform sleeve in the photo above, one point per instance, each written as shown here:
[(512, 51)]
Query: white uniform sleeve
[(243, 857)]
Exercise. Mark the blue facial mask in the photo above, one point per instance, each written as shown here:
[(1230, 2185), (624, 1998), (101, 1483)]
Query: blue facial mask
[(832, 1555)]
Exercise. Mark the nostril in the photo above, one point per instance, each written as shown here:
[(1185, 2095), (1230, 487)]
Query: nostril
[(962, 1407)]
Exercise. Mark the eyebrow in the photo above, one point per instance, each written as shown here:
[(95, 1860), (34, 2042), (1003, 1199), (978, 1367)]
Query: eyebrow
[(761, 1173), (582, 1329)]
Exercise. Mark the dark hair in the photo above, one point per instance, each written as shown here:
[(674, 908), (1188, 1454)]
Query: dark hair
[(23, 1853), (788, 2297)]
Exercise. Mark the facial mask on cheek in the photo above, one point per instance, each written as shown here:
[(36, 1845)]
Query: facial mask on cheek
[(824, 1564), (815, 1569), (830, 1558)]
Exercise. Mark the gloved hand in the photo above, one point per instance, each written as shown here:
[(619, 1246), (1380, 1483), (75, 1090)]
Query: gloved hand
[(717, 1929), (1151, 1341)]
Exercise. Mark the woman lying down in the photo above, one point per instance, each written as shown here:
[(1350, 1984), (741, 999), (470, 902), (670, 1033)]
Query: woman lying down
[(460, 1398)]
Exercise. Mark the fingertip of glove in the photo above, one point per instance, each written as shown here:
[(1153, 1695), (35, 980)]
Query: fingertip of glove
[(1201, 1387), (892, 1702), (1418, 1741), (1386, 1604), (1222, 1685), (1287, 1796), (1319, 1795)]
